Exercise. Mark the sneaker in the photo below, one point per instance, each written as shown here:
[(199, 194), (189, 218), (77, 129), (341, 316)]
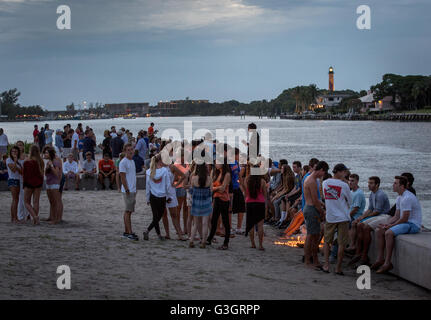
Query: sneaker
[(130, 236), (145, 233)]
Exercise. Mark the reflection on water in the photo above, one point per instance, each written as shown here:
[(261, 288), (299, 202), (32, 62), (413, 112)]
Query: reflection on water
[(369, 148)]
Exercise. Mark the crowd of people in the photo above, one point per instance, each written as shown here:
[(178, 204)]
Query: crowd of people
[(200, 197)]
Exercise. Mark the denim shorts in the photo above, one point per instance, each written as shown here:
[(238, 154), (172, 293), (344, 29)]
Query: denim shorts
[(13, 183), (52, 187), (181, 192), (405, 228)]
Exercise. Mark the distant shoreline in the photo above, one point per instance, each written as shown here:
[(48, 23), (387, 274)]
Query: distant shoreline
[(405, 117)]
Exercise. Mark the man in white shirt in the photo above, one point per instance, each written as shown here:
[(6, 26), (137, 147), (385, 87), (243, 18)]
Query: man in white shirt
[(128, 188), (75, 141), (3, 142), (338, 200), (407, 220), (70, 170)]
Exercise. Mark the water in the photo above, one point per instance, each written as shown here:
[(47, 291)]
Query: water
[(369, 148)]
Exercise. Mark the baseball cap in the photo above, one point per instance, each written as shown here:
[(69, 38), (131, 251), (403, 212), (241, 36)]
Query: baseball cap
[(339, 167)]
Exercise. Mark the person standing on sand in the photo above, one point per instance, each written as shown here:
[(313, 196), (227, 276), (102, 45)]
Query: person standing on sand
[(128, 188), (33, 181), (201, 190), (313, 214), (172, 206), (256, 195), (337, 201), (35, 134), (53, 174), (22, 211), (157, 193), (14, 169), (221, 180)]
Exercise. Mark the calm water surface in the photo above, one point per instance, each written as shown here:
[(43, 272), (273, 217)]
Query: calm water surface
[(369, 148)]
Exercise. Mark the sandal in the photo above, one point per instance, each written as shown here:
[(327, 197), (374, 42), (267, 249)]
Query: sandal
[(191, 245), (223, 247), (202, 246)]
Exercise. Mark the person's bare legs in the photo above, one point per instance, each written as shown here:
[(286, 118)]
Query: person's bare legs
[(389, 239), (57, 205), (366, 240), (27, 202), (308, 249), (166, 223), (14, 204), (52, 217), (128, 222), (380, 238), (260, 234), (186, 212), (315, 249), (199, 222), (251, 233), (185, 216), (193, 231), (340, 255), (352, 237), (36, 199), (326, 248), (204, 229), (240, 217), (175, 222)]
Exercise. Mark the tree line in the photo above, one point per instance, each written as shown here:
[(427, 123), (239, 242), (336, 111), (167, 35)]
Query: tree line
[(411, 92)]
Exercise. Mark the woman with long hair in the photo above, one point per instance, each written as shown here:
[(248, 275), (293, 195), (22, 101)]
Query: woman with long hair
[(53, 172), (23, 213), (201, 190), (14, 169), (33, 170), (172, 206), (157, 193), (255, 186), (181, 192), (221, 180)]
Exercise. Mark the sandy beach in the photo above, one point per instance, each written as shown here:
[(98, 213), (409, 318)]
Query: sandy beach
[(106, 266)]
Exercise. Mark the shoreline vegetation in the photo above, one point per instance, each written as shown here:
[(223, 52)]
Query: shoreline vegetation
[(411, 93)]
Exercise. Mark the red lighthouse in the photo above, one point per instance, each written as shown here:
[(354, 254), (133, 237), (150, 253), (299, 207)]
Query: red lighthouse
[(331, 79)]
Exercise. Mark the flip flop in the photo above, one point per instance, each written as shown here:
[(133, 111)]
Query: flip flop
[(318, 268), (340, 273), (325, 271), (223, 247)]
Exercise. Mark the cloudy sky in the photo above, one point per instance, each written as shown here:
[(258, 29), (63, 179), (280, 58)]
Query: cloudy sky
[(152, 50)]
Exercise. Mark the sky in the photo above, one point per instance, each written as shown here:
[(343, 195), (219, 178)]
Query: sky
[(159, 50)]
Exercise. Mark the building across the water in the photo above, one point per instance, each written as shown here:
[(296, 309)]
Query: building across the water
[(141, 108)]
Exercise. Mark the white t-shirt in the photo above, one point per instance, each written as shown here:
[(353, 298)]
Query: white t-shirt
[(159, 185), (12, 175), (75, 137), (70, 166), (338, 200), (113, 134), (128, 167), (3, 140), (408, 202)]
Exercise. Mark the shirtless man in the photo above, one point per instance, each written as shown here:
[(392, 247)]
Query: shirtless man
[(313, 214)]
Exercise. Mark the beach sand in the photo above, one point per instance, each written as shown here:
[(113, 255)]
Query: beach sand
[(106, 266)]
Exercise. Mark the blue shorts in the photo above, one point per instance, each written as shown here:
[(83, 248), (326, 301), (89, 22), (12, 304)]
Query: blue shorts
[(405, 228), (181, 192), (13, 183)]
